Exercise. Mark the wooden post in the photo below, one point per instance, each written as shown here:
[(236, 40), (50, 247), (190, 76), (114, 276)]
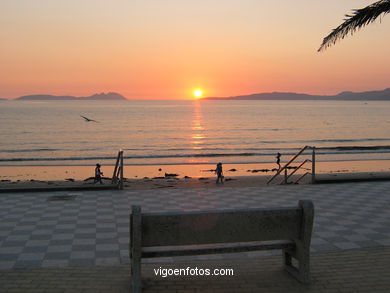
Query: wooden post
[(114, 175), (285, 176), (313, 165), (121, 170)]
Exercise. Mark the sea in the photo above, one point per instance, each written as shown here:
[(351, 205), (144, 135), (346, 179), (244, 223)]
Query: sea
[(154, 132)]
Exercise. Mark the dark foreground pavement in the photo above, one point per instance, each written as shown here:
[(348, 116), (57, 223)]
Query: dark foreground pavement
[(356, 270)]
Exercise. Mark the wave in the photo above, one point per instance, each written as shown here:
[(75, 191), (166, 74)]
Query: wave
[(352, 148), (314, 141), (339, 150), (31, 150)]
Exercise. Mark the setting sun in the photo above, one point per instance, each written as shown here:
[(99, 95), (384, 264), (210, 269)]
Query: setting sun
[(198, 93)]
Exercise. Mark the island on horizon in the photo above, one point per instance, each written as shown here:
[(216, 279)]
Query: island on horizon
[(111, 96), (383, 95)]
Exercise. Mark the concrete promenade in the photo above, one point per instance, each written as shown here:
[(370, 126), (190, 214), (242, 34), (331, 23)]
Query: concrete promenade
[(78, 241)]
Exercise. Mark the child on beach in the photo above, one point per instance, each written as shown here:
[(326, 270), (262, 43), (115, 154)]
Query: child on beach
[(98, 174), (219, 173)]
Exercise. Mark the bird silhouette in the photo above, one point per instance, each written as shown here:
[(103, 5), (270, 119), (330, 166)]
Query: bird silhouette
[(89, 120)]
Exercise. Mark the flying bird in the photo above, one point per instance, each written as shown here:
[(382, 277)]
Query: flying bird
[(89, 120)]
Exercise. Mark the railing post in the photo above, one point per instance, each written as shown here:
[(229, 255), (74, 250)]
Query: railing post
[(121, 170), (285, 176), (313, 165), (114, 175)]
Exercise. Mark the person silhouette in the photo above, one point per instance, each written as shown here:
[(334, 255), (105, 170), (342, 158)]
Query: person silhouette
[(98, 174), (219, 173), (278, 160)]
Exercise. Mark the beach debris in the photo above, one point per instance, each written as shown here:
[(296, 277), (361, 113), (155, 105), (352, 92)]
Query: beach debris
[(70, 179), (232, 170), (158, 177), (203, 178), (88, 119), (171, 175), (230, 179), (259, 170), (210, 170), (187, 177), (5, 180), (159, 169)]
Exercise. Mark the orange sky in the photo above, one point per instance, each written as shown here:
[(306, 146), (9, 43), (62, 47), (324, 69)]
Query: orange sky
[(155, 49)]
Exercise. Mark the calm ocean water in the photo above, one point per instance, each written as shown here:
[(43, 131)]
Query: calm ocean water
[(190, 132)]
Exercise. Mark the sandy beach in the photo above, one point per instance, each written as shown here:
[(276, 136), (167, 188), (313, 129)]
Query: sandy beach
[(160, 182)]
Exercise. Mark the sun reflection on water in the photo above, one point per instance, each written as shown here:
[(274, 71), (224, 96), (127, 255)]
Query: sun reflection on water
[(198, 131)]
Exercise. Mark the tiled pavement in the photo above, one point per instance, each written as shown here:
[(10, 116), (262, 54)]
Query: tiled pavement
[(92, 229)]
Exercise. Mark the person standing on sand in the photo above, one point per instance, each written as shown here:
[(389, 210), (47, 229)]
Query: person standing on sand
[(219, 173), (278, 160), (98, 174)]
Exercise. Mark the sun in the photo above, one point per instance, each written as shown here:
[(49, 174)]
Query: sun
[(198, 93)]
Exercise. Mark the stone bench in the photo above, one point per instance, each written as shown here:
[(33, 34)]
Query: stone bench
[(224, 231)]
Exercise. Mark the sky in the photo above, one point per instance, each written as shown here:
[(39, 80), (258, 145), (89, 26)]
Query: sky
[(164, 49)]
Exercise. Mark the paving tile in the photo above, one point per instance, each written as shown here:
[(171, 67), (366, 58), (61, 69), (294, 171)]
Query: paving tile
[(96, 225)]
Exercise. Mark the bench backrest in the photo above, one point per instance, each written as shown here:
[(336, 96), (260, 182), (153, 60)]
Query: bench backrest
[(225, 226)]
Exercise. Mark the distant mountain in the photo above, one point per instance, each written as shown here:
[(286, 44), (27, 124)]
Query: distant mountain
[(95, 97), (1, 99), (344, 96), (108, 96)]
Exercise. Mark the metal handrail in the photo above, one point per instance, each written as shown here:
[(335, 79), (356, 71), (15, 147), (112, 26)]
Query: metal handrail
[(289, 162), (297, 168), (301, 177)]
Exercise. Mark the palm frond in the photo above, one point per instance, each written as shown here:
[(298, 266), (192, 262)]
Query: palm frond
[(355, 21)]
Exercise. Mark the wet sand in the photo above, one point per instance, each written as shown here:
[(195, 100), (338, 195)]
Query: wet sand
[(202, 182), (186, 176), (62, 173)]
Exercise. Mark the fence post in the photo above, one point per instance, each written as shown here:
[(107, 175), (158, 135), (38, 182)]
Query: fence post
[(121, 170), (313, 165), (285, 176), (114, 174)]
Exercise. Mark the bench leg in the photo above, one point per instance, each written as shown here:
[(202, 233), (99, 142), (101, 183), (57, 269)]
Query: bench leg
[(304, 268), (136, 283), (287, 258), (135, 249), (302, 272)]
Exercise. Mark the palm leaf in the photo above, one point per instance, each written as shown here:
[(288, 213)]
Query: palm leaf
[(355, 21)]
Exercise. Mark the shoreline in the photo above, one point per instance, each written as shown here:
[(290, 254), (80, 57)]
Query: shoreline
[(66, 172), (178, 176), (185, 183)]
